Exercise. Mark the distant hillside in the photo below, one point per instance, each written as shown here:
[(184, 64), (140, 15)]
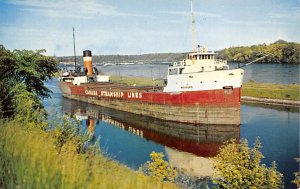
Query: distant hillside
[(280, 52), (145, 58)]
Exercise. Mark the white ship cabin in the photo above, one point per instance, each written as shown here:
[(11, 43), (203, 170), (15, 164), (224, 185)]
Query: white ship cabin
[(201, 71), (79, 78), (199, 61)]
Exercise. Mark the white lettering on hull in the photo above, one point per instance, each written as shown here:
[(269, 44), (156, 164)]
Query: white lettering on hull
[(134, 95), (114, 94), (91, 92)]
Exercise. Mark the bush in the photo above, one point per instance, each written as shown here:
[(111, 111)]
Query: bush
[(297, 176), (159, 168), (68, 130), (238, 166)]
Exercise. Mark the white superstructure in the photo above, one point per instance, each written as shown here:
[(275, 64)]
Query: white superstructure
[(201, 71)]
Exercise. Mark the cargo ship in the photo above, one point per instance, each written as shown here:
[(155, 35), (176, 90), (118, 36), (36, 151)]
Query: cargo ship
[(199, 89)]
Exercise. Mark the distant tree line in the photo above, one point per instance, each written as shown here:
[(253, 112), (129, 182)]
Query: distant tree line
[(145, 58), (278, 52)]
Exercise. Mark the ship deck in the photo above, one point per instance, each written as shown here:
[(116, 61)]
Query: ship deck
[(122, 86)]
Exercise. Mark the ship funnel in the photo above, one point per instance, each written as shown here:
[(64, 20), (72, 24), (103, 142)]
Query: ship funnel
[(87, 62)]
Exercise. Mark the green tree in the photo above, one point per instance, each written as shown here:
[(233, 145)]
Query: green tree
[(27, 106), (22, 77), (238, 166), (291, 53), (279, 52)]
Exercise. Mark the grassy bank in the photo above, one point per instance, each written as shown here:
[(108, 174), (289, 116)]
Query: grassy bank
[(253, 89), (270, 90), (29, 159)]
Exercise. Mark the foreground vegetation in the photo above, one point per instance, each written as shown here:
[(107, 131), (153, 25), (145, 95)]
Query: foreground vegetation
[(253, 89), (31, 158), (238, 166), (24, 73)]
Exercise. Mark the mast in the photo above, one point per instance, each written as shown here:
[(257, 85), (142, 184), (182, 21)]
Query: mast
[(193, 27), (74, 50)]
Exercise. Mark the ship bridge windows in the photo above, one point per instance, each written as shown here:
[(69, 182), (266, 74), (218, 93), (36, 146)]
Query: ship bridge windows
[(201, 57), (206, 57), (173, 71)]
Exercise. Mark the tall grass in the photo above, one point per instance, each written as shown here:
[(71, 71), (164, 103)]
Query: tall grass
[(29, 159)]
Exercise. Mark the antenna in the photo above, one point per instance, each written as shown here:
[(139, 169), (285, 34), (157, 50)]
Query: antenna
[(74, 50), (254, 61), (193, 27)]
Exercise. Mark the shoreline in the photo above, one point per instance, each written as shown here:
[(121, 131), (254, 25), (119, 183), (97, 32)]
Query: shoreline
[(277, 102)]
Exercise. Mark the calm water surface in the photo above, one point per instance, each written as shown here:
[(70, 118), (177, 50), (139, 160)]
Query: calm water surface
[(130, 139)]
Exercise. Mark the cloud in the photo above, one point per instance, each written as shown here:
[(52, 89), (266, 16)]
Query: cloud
[(252, 23), (292, 13), (88, 9), (201, 13)]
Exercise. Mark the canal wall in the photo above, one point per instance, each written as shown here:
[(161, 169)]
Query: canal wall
[(278, 102)]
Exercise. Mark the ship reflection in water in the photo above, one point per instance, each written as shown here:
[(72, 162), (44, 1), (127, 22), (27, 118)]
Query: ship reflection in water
[(130, 138)]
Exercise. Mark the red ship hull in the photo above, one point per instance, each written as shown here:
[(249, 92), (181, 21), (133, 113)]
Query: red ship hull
[(205, 107)]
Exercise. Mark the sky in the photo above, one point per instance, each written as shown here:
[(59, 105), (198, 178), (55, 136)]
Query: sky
[(144, 26)]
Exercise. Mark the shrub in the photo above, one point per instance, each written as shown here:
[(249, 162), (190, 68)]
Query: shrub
[(159, 168), (238, 166), (297, 176)]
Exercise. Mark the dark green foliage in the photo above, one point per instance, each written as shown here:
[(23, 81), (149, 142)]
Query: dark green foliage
[(27, 106), (22, 77), (279, 52)]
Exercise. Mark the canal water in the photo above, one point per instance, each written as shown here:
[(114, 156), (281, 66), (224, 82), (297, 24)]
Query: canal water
[(130, 138)]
